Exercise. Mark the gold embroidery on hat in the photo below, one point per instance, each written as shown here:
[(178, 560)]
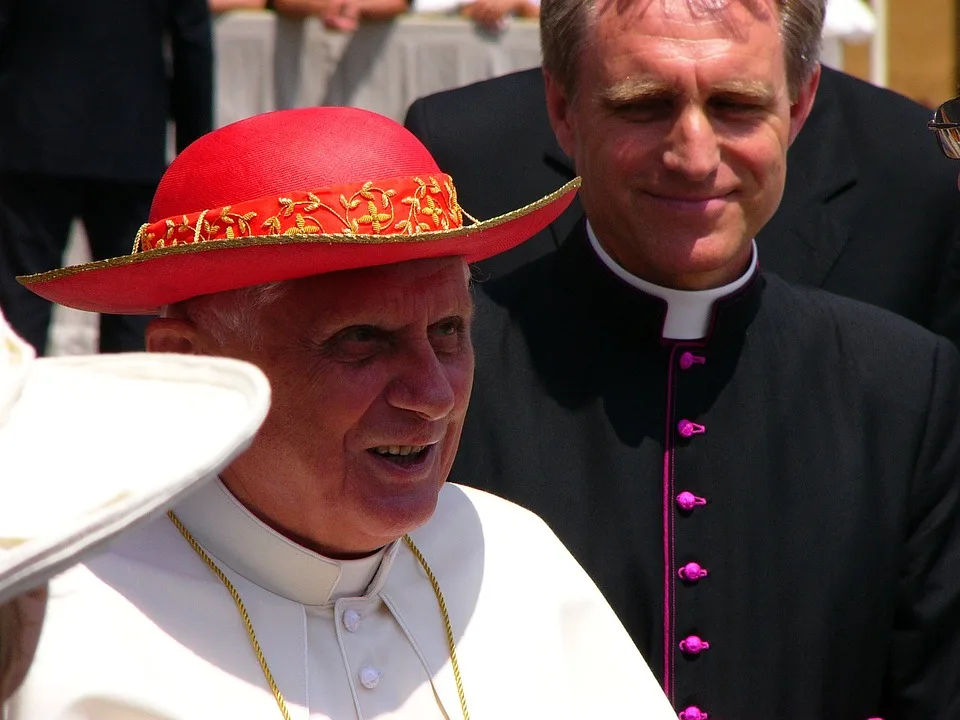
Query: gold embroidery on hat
[(311, 204), (230, 219), (464, 232), (422, 196), (370, 210), (375, 219), (455, 208), (211, 230), (310, 225)]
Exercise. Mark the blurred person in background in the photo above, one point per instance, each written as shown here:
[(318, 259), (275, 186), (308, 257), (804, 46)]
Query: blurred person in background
[(341, 15), (219, 6), (346, 15), (493, 14), (87, 88)]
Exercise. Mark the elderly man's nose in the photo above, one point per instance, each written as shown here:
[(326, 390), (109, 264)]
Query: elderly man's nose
[(692, 148), (423, 387)]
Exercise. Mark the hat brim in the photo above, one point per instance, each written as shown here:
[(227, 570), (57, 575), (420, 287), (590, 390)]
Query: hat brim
[(94, 445), (144, 282)]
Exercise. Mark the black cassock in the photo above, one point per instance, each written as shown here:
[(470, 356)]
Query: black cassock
[(774, 511)]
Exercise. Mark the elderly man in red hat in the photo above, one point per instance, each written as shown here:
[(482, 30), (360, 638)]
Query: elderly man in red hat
[(330, 573)]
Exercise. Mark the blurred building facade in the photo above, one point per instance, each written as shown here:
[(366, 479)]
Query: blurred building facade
[(913, 51)]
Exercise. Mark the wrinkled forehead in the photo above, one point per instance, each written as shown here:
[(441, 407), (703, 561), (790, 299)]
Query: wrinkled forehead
[(671, 43)]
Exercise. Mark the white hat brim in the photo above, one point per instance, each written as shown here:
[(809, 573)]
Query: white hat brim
[(96, 444)]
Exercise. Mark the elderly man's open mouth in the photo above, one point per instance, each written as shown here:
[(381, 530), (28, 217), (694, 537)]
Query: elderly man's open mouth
[(403, 455)]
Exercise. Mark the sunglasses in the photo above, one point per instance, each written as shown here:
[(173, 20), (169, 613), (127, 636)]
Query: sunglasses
[(946, 124)]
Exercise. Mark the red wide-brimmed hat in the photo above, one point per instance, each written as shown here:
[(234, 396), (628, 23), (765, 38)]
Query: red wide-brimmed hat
[(290, 194)]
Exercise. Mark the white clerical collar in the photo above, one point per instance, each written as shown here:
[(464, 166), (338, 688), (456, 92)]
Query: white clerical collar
[(234, 536), (688, 311)]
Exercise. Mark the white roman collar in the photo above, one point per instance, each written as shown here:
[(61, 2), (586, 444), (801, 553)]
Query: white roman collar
[(688, 311), (234, 536)]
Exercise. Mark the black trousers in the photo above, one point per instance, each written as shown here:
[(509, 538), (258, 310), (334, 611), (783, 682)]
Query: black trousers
[(36, 212)]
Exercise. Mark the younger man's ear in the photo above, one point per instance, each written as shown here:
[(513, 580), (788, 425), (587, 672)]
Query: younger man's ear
[(801, 107), (558, 110)]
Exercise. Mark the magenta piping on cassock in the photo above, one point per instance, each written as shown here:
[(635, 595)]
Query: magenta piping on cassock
[(668, 535)]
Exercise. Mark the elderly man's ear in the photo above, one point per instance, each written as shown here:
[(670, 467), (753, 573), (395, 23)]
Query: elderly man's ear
[(174, 335)]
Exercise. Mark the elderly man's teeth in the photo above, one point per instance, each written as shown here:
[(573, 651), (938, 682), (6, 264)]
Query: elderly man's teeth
[(399, 449)]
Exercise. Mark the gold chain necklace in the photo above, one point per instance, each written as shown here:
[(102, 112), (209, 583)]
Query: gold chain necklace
[(248, 624)]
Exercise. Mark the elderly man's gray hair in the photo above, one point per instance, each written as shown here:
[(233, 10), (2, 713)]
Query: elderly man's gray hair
[(563, 25), (230, 315)]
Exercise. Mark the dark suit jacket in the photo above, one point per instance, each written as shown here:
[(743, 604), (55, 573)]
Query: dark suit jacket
[(86, 90), (829, 467), (870, 209)]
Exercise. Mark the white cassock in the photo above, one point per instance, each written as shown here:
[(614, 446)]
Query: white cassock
[(146, 631)]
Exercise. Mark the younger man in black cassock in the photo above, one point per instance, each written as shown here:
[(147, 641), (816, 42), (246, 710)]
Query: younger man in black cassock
[(763, 479)]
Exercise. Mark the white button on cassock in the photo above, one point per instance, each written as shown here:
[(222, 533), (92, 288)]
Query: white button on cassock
[(370, 677), (351, 620)]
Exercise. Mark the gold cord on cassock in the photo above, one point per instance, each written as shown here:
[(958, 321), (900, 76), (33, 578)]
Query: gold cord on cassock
[(248, 624), (451, 642)]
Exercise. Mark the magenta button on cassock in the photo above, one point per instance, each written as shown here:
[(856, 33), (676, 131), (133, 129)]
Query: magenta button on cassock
[(692, 572), (688, 501), (688, 360), (693, 713), (686, 428), (694, 645)]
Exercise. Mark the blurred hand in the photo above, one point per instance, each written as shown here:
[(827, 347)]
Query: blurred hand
[(303, 8), (21, 620), (218, 6), (342, 15), (492, 14)]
